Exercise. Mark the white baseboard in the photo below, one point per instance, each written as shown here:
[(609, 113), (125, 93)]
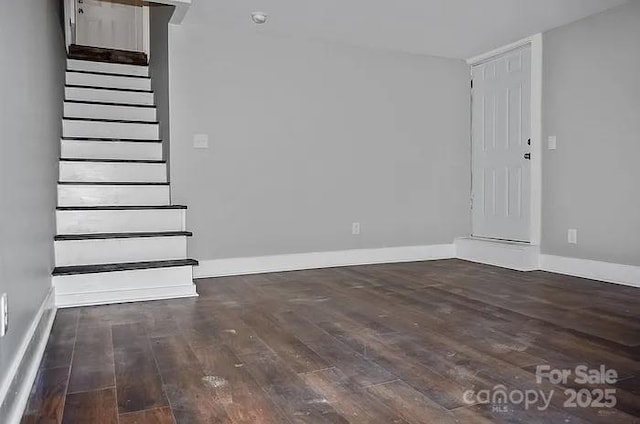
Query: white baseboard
[(596, 270), (21, 373), (124, 296), (300, 261), (513, 256), (518, 256)]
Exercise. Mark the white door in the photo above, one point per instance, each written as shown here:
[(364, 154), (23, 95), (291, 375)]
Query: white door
[(116, 24), (501, 133)]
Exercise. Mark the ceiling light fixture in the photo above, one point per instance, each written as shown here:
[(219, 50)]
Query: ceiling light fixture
[(259, 18)]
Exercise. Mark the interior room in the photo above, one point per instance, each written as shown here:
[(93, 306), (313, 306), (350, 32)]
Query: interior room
[(279, 211)]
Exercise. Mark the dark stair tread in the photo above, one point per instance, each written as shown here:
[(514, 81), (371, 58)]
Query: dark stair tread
[(90, 102), (105, 236), (112, 160), (108, 74), (123, 140), (118, 208), (99, 54), (114, 121), (94, 87), (125, 266), (123, 183)]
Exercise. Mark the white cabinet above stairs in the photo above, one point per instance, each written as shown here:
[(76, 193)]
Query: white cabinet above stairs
[(119, 238)]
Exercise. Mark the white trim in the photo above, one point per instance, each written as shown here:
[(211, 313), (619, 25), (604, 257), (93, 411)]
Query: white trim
[(527, 257), (628, 275), (535, 234), (23, 370), (535, 41), (125, 296), (69, 22), (300, 261), (146, 33), (517, 256), (511, 255), (484, 57)]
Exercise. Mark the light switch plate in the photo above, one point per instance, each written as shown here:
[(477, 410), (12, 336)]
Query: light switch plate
[(200, 141), (553, 142)]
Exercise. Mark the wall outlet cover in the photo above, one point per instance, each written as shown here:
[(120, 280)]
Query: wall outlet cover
[(201, 141), (572, 236), (355, 228), (553, 142)]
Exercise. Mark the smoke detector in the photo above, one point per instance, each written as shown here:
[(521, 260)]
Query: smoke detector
[(259, 18)]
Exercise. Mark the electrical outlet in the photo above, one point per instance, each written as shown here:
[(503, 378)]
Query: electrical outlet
[(572, 236), (355, 228), (553, 142), (200, 141), (4, 314)]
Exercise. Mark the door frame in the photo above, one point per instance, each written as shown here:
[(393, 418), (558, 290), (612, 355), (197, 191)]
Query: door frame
[(70, 25), (535, 41), (69, 22)]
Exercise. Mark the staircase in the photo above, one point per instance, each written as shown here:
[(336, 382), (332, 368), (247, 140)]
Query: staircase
[(119, 238)]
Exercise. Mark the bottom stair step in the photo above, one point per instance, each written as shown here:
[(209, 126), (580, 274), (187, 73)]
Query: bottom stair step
[(127, 266), (123, 282)]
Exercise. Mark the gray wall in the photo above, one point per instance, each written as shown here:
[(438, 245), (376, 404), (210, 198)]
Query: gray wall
[(591, 101), (308, 137), (31, 83)]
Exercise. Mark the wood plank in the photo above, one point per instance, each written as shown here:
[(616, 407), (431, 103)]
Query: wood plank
[(243, 399), (349, 399), (91, 407), (172, 352), (150, 416), (194, 397), (46, 400), (59, 350), (412, 405), (353, 364), (284, 388), (93, 364), (442, 390), (293, 351), (138, 381)]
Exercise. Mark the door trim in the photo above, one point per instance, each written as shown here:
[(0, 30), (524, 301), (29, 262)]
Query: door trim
[(535, 41), (146, 31)]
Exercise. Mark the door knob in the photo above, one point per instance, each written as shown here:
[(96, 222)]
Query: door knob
[(527, 156), (80, 11)]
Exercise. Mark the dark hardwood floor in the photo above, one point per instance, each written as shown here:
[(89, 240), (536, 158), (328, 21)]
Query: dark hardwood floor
[(396, 343)]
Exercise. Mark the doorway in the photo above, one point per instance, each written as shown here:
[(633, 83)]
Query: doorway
[(111, 24), (501, 146)]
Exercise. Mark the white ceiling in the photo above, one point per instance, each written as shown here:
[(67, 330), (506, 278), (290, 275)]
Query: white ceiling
[(449, 28)]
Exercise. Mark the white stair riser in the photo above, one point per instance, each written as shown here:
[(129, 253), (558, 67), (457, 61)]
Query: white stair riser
[(108, 96), (127, 113), (123, 296), (112, 195), (110, 68), (123, 280), (113, 172), (108, 81), (93, 149), (119, 221), (107, 251), (96, 129)]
